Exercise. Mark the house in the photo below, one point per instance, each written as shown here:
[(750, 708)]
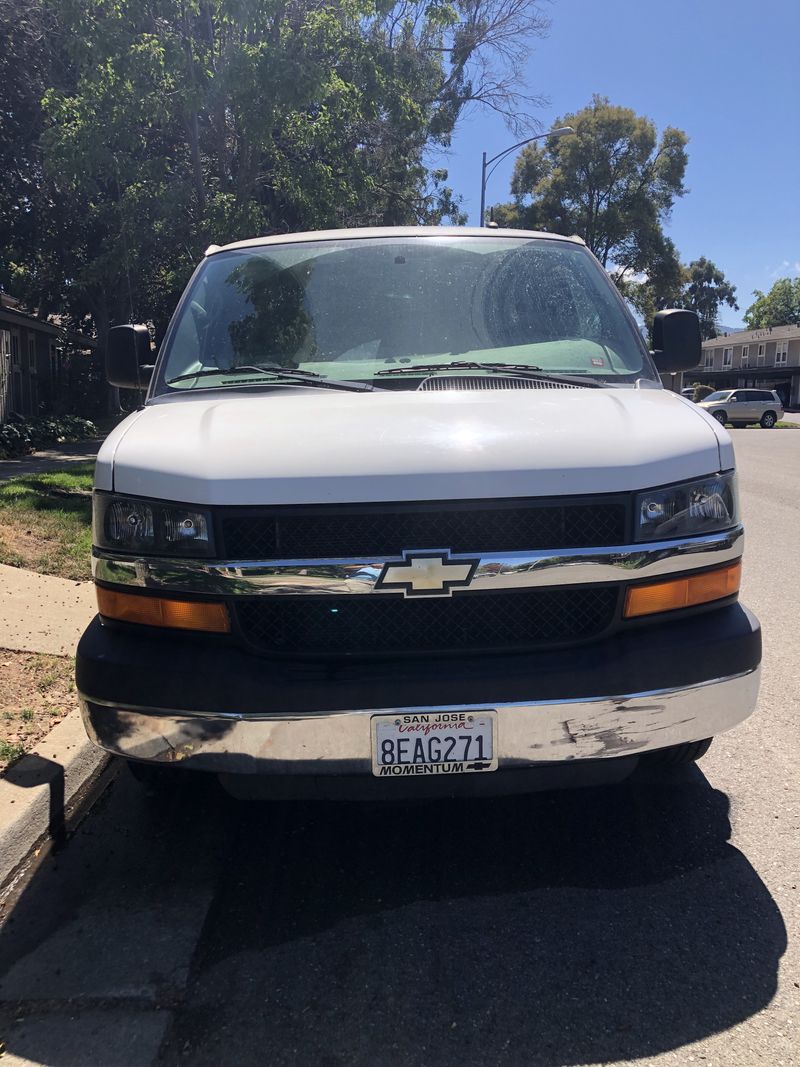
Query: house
[(757, 359), (34, 360)]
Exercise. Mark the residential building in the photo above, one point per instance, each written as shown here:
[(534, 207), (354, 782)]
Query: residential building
[(33, 360), (752, 359)]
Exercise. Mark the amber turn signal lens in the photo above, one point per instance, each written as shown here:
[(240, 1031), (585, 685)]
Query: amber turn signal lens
[(161, 611), (683, 592)]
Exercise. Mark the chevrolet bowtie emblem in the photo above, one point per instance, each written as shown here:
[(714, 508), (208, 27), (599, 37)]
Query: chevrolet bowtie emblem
[(430, 573)]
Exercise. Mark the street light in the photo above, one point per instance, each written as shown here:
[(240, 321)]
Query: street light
[(560, 131)]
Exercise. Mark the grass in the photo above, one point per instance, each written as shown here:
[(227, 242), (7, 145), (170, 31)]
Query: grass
[(777, 426), (46, 522)]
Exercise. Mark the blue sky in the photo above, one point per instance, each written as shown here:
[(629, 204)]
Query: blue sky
[(726, 72)]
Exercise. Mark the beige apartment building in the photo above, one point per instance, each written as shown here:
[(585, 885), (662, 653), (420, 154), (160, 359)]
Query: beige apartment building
[(757, 359)]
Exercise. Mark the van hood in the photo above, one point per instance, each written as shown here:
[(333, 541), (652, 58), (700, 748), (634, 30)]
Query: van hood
[(309, 446)]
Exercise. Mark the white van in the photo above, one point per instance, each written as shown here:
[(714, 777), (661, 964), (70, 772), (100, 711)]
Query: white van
[(412, 504)]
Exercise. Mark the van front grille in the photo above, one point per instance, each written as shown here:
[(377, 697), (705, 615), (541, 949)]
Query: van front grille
[(387, 624), (385, 530)]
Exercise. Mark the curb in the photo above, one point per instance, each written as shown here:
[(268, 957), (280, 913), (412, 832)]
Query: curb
[(36, 790)]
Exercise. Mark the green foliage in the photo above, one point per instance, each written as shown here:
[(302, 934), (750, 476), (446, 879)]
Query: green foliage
[(613, 182), (180, 123), (705, 290), (18, 437), (779, 307)]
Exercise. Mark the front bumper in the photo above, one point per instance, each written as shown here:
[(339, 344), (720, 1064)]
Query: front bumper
[(220, 709)]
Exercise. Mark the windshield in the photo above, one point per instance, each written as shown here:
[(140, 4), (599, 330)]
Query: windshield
[(712, 398), (350, 310)]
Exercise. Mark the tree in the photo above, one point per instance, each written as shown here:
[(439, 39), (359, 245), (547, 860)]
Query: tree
[(189, 122), (779, 307), (705, 290), (613, 183)]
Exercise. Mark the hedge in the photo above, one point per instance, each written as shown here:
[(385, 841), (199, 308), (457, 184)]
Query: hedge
[(18, 437)]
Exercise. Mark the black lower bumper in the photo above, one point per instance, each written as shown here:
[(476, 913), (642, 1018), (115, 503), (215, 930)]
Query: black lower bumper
[(195, 674)]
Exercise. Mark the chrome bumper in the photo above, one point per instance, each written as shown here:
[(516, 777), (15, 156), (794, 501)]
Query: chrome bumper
[(528, 734)]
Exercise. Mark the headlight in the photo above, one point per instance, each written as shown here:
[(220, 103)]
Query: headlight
[(684, 510), (152, 527)]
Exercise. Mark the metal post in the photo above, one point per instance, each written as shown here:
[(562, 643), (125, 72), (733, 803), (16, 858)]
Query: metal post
[(482, 221)]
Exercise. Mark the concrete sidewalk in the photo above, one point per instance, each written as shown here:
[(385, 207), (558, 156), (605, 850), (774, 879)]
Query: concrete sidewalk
[(51, 459), (40, 613)]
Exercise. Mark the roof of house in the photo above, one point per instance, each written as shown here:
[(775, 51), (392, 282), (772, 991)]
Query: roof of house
[(743, 337), (11, 313)]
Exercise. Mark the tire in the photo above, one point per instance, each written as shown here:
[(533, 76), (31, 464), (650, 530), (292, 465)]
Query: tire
[(721, 417), (768, 419), (155, 777), (689, 752)]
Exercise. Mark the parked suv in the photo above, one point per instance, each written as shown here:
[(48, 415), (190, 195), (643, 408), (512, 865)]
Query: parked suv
[(410, 508), (739, 407)]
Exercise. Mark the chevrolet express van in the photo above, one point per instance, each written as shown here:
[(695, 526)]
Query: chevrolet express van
[(412, 507)]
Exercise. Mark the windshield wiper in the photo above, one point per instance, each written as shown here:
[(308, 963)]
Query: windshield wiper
[(526, 370), (308, 377)]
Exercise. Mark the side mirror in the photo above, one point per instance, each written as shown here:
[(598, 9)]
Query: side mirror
[(129, 357), (676, 341)]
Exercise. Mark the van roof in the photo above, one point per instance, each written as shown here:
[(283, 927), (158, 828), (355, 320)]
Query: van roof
[(387, 231)]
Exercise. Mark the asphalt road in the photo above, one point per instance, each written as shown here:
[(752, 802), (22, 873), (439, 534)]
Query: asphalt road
[(656, 921)]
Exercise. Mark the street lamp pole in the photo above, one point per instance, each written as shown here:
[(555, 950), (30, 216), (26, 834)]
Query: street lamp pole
[(486, 173)]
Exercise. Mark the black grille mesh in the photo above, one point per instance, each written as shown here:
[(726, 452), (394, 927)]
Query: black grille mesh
[(325, 533), (378, 623)]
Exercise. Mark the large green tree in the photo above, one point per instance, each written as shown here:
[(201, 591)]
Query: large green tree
[(705, 291), (699, 286), (613, 182), (189, 122), (779, 307)]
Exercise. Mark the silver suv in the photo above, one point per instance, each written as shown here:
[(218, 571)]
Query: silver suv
[(740, 407)]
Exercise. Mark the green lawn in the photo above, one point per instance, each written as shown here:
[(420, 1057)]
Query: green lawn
[(46, 521)]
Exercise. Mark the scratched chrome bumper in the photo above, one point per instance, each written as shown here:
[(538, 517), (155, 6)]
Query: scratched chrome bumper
[(528, 734)]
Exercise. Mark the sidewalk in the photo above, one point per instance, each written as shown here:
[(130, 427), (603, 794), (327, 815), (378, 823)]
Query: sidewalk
[(51, 459), (40, 613)]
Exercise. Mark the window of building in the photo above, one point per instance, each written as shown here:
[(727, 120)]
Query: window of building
[(709, 358), (781, 353), (727, 357), (761, 355), (745, 355)]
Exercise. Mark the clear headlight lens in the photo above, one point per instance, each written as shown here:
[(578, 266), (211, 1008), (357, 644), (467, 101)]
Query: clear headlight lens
[(699, 507), (132, 524)]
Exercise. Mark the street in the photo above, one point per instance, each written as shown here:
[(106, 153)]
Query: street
[(652, 922)]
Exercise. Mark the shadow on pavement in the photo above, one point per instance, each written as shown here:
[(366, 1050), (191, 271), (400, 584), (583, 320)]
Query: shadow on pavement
[(563, 928)]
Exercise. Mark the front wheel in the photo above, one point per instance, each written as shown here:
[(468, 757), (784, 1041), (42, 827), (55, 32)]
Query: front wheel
[(768, 420), (688, 752), (721, 417)]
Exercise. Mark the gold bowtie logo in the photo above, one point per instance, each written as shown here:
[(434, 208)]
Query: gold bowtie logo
[(429, 573)]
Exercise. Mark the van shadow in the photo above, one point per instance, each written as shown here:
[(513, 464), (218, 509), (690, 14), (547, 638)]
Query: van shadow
[(563, 928)]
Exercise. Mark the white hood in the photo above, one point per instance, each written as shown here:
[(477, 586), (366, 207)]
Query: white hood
[(324, 446)]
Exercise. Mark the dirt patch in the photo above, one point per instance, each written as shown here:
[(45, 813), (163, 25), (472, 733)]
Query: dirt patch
[(36, 693)]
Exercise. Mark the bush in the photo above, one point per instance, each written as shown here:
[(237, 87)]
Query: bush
[(701, 392), (19, 436)]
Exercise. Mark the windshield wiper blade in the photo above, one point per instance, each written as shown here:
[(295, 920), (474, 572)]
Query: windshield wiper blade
[(526, 370), (275, 371)]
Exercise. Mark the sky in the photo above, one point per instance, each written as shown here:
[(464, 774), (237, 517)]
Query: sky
[(726, 72)]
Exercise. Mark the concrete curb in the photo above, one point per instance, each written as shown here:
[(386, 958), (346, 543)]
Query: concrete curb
[(35, 791)]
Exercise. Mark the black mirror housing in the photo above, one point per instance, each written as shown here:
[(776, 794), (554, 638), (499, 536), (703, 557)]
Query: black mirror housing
[(677, 344), (128, 357)]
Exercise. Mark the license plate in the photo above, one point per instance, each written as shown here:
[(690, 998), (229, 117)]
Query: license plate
[(434, 743)]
